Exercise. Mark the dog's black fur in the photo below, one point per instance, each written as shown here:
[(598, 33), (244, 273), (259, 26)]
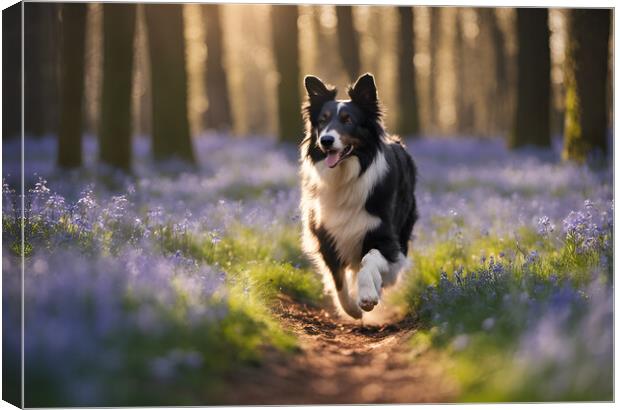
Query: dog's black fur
[(358, 122)]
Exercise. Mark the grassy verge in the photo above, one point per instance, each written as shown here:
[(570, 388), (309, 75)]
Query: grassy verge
[(516, 317), (175, 340)]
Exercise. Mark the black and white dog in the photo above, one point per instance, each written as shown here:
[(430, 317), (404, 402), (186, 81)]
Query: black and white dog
[(358, 205)]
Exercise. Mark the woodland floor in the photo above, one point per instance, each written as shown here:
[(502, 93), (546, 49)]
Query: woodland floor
[(342, 362)]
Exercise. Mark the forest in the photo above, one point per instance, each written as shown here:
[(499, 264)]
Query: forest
[(158, 224)]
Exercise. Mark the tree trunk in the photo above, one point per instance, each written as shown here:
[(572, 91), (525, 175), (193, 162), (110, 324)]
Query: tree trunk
[(286, 53), (171, 136), (488, 20), (12, 71), (434, 40), (119, 22), (409, 123), (587, 55), (40, 68), (532, 115), (216, 81), (464, 109), (348, 41), (73, 32)]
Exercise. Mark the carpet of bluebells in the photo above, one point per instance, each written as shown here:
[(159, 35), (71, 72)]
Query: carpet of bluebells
[(152, 288)]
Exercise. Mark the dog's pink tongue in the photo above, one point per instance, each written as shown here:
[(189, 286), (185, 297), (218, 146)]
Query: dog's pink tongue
[(332, 158)]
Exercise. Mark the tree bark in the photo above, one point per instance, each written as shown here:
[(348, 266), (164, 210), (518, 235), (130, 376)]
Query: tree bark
[(40, 68), (587, 55), (463, 122), (532, 115), (286, 53), (12, 71), (488, 20), (434, 40), (348, 41), (218, 114), (73, 32), (171, 135), (409, 122), (119, 22)]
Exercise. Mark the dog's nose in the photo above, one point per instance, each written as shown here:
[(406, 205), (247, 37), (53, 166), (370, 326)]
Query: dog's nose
[(327, 141)]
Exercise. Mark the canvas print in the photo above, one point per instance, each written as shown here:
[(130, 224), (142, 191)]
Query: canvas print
[(264, 204)]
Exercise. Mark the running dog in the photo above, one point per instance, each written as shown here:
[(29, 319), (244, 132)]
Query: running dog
[(357, 194)]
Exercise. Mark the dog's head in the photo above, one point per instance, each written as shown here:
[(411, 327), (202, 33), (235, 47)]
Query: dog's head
[(339, 129)]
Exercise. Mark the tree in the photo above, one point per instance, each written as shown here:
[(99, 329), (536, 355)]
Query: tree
[(532, 114), (218, 113), (348, 41), (434, 40), (488, 21), (285, 37), (73, 35), (464, 108), (171, 136), (119, 22), (40, 68), (408, 123), (12, 71), (587, 55)]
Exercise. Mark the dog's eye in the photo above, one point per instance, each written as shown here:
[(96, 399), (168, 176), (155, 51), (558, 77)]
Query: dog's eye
[(346, 119)]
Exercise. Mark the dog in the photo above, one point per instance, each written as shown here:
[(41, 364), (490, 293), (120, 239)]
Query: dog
[(358, 206)]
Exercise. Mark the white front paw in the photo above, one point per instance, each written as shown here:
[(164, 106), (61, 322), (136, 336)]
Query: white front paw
[(368, 299), (369, 286)]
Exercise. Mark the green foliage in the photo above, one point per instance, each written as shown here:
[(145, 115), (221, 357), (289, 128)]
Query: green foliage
[(267, 263), (479, 310)]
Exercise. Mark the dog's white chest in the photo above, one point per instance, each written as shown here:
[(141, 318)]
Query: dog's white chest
[(339, 206)]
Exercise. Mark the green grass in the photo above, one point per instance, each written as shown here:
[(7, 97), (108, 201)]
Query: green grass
[(259, 266), (477, 323), (266, 263)]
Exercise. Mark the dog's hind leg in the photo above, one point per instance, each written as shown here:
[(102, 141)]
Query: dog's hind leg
[(347, 301)]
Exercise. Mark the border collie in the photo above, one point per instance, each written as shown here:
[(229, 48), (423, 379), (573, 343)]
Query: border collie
[(358, 205)]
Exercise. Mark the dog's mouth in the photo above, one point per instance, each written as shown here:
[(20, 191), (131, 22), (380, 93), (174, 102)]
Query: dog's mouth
[(334, 157)]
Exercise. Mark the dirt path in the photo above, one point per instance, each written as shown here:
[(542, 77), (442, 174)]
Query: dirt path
[(342, 363)]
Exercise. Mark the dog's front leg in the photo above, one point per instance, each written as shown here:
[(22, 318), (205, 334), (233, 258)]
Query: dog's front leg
[(369, 279)]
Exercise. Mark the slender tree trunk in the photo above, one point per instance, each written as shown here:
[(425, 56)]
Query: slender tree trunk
[(409, 122), (462, 120), (434, 40), (119, 22), (218, 114), (12, 71), (532, 116), (40, 68), (348, 41), (488, 20), (285, 47), (171, 135), (587, 55), (73, 32)]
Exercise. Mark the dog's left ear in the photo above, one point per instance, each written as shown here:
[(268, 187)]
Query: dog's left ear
[(364, 94), (318, 94)]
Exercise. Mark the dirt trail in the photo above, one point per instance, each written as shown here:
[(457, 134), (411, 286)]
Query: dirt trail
[(342, 363)]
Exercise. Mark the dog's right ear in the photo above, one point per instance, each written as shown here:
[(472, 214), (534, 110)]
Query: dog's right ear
[(318, 94)]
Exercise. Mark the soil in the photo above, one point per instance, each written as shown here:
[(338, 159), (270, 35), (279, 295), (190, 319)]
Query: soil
[(342, 362)]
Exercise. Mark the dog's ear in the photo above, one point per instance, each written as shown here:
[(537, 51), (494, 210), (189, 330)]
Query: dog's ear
[(364, 94), (316, 89), (318, 94)]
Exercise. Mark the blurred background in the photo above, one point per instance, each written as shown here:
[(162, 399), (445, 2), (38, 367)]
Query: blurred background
[(175, 71)]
